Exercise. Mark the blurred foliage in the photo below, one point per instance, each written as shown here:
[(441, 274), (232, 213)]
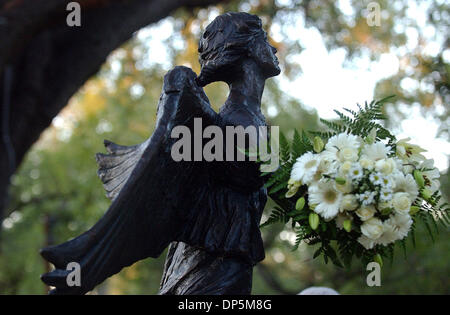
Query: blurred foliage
[(56, 194)]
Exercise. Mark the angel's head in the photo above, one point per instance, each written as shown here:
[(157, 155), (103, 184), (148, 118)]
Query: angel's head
[(230, 39)]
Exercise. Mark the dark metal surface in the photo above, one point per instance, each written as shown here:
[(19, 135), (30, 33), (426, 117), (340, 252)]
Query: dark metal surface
[(209, 212)]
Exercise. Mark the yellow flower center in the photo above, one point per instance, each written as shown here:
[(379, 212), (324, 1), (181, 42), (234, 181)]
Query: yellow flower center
[(330, 196)]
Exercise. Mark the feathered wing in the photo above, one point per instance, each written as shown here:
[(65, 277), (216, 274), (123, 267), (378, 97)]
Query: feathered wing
[(151, 193), (115, 168)]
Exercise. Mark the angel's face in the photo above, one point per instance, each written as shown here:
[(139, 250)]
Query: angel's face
[(264, 55)]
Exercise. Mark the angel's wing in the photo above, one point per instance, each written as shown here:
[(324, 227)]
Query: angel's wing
[(151, 204), (115, 168)]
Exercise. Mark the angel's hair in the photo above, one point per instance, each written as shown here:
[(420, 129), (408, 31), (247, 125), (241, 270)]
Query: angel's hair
[(226, 41)]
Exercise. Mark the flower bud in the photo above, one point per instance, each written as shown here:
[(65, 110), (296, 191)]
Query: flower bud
[(372, 136), (318, 144), (294, 183), (413, 210), (377, 258), (300, 204), (419, 178), (291, 192), (347, 225), (313, 220), (369, 140), (293, 186), (340, 180), (426, 194)]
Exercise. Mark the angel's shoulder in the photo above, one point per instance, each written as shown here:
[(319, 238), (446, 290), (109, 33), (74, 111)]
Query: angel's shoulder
[(177, 78)]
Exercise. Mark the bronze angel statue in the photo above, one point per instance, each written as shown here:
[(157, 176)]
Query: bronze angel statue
[(207, 213)]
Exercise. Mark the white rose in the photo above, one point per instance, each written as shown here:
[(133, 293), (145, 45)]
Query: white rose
[(349, 202), (401, 202), (346, 188), (385, 166), (366, 163), (345, 167), (372, 228), (348, 154), (366, 212)]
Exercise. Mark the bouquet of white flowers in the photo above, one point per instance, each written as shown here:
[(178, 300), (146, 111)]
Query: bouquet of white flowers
[(356, 186)]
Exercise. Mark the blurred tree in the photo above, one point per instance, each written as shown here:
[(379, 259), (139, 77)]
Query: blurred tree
[(57, 188), (56, 195)]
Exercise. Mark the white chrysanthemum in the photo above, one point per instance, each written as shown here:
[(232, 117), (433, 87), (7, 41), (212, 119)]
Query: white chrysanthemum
[(389, 235), (386, 194), (406, 184), (356, 172), (366, 242), (372, 228), (305, 167), (403, 224), (397, 227), (326, 198), (342, 147), (376, 178), (376, 151), (387, 182), (367, 197)]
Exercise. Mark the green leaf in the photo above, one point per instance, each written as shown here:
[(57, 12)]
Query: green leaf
[(285, 150), (317, 252), (277, 215)]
